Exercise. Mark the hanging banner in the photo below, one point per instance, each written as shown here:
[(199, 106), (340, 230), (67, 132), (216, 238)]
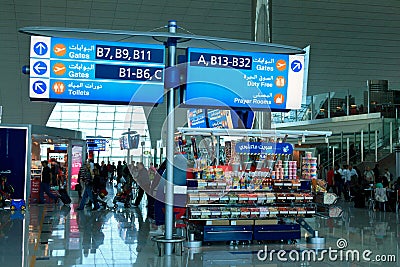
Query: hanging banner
[(76, 165)]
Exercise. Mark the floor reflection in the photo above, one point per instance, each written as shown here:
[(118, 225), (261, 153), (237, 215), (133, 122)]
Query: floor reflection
[(55, 235)]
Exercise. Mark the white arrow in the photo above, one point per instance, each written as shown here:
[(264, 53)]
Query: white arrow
[(297, 65), (38, 67), (38, 87), (41, 47)]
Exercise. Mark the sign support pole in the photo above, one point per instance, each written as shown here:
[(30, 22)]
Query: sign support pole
[(129, 149), (169, 190)]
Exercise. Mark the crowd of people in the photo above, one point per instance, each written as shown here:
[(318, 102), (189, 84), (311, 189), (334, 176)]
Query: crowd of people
[(93, 180), (350, 183)]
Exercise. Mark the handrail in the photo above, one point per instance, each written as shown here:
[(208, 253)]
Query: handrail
[(383, 142)]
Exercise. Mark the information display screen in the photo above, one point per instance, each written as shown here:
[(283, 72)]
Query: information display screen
[(220, 78), (85, 71), (96, 144)]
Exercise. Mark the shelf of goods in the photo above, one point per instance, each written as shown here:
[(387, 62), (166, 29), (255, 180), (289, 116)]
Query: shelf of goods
[(257, 195), (241, 213)]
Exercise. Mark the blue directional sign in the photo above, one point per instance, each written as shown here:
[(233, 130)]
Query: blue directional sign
[(40, 48), (244, 80), (86, 71), (39, 87), (40, 68), (296, 66)]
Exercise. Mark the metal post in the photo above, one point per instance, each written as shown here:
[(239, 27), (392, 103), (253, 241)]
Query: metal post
[(327, 143), (129, 149), (369, 137), (333, 156), (391, 137), (69, 167), (362, 145), (312, 107), (142, 157), (397, 150), (348, 104), (169, 190), (217, 148), (376, 146), (368, 99), (341, 143), (329, 105), (348, 150)]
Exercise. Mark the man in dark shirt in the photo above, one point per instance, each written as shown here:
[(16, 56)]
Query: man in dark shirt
[(45, 184)]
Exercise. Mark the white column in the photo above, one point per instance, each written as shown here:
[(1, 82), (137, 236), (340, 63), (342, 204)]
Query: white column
[(391, 137), (376, 146), (348, 150), (362, 145)]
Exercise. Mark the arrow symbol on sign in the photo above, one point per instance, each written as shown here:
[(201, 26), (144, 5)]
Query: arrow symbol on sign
[(38, 88), (38, 67), (41, 47), (297, 65)]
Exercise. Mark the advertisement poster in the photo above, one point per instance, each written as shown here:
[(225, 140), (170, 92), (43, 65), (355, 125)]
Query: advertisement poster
[(218, 118), (13, 158), (197, 118), (76, 165)]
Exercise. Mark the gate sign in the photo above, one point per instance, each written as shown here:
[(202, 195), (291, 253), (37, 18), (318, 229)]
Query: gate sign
[(220, 78), (264, 148), (85, 71)]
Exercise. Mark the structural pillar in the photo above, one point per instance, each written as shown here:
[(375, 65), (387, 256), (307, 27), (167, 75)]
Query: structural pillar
[(169, 190), (397, 150)]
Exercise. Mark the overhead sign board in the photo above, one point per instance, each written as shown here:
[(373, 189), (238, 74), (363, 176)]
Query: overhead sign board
[(96, 144), (85, 71), (220, 78)]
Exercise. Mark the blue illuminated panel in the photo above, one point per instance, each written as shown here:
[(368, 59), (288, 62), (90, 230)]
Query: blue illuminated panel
[(220, 78), (86, 71)]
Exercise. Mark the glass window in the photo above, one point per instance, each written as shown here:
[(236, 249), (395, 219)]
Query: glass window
[(105, 133), (105, 120), (88, 116), (106, 117), (90, 108), (106, 108)]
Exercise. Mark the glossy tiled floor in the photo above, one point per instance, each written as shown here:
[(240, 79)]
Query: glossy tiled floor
[(55, 235)]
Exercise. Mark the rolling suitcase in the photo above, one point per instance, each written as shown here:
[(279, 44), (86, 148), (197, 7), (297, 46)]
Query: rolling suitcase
[(64, 196)]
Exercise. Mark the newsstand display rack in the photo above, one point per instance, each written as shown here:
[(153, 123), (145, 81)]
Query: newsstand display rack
[(268, 202)]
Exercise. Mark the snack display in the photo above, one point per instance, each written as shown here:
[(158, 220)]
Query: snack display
[(309, 167), (269, 193)]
